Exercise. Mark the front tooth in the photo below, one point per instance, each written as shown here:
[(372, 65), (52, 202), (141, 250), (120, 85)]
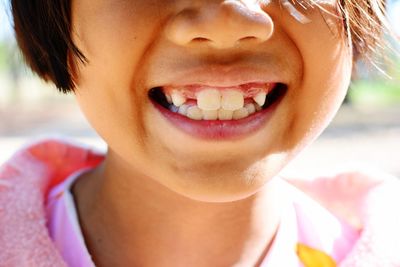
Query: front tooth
[(232, 100), (260, 98), (194, 113), (209, 99), (183, 109), (250, 108), (240, 114), (178, 98), (210, 114), (224, 114)]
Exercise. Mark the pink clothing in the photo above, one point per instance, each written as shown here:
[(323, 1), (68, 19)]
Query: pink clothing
[(326, 233), (24, 182), (63, 224), (31, 235)]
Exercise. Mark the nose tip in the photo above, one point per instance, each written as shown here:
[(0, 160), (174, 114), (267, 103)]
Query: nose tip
[(221, 26)]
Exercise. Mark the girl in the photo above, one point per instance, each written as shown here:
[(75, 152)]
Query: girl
[(201, 103)]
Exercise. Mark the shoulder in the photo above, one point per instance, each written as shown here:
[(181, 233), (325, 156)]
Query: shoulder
[(353, 193), (368, 200), (24, 182), (321, 230), (48, 161)]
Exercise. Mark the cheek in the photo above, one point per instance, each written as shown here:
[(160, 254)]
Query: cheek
[(115, 37), (327, 66), (328, 72)]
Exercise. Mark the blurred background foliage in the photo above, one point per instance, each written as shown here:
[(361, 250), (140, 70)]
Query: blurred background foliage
[(380, 85)]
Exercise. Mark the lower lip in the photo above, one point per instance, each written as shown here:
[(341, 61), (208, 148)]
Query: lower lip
[(219, 130)]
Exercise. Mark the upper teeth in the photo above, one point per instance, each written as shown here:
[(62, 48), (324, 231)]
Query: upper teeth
[(178, 98), (169, 99), (209, 99), (215, 104), (232, 100), (260, 98)]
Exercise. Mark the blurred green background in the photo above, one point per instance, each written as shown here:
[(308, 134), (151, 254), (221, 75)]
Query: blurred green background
[(366, 130)]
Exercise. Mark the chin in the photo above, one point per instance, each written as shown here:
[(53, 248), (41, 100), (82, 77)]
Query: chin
[(218, 195), (222, 183)]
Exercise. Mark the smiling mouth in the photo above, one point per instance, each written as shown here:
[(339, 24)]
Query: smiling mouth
[(209, 103)]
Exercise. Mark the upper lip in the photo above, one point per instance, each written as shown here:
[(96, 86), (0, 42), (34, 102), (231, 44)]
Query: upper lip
[(222, 76)]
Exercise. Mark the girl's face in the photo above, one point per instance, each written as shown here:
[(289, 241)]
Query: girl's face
[(217, 56)]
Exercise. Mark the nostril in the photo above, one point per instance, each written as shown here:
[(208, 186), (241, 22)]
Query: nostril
[(200, 40), (248, 38)]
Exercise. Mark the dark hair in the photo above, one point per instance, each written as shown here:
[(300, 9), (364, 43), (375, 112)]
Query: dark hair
[(43, 32)]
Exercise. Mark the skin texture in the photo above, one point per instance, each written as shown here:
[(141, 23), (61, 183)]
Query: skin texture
[(161, 196)]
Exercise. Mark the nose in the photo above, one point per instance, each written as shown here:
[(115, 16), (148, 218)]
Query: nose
[(220, 25)]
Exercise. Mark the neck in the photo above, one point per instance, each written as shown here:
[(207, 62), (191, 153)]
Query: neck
[(139, 222)]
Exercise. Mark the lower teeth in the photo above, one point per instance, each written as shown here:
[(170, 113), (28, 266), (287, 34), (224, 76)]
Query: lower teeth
[(195, 113)]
